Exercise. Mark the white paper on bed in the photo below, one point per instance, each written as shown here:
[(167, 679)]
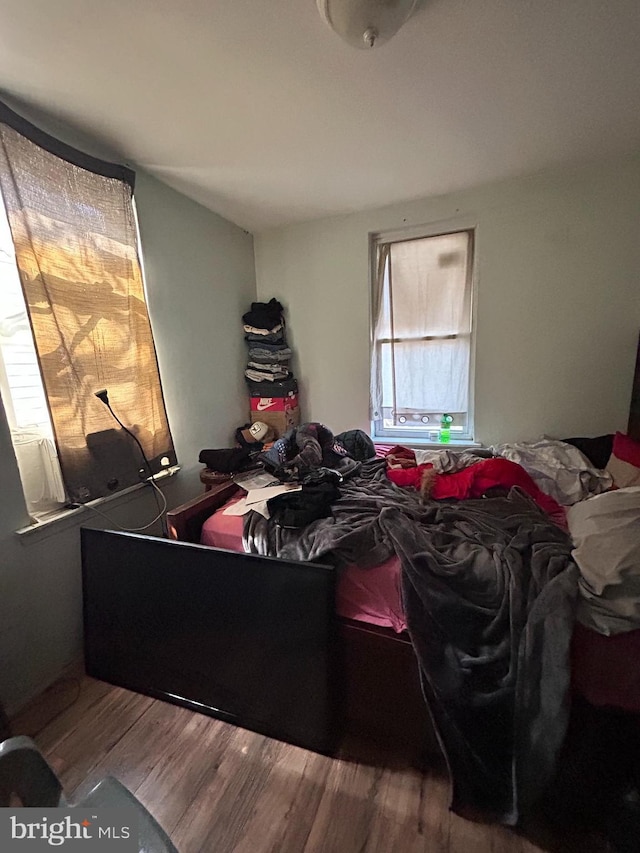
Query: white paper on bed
[(256, 500), (249, 480), (606, 535)]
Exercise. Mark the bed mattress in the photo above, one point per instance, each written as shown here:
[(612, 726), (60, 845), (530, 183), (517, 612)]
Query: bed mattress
[(366, 595)]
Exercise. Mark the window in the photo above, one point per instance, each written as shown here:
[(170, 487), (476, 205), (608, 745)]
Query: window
[(74, 321), (22, 392), (422, 335)]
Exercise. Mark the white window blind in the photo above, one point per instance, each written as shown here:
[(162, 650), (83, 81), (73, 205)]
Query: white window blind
[(422, 335)]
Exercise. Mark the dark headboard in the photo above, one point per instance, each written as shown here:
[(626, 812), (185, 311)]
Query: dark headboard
[(633, 428)]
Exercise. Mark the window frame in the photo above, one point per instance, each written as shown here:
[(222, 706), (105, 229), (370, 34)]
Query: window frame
[(56, 512), (441, 228), (126, 176)]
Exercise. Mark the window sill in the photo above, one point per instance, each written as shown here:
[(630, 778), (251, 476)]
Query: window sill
[(426, 443), (56, 522)]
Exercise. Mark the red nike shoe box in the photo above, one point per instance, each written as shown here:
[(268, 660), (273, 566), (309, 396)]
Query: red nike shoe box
[(280, 413)]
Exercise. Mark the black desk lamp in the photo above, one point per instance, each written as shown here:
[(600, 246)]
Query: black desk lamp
[(104, 396)]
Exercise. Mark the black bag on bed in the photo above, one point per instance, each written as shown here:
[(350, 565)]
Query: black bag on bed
[(358, 444), (229, 460)]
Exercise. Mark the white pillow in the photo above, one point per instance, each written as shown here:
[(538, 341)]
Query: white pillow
[(606, 535)]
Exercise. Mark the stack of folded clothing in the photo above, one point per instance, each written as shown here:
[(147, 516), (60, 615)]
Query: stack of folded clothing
[(264, 331), (273, 390)]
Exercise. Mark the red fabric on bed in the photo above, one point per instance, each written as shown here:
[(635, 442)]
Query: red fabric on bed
[(366, 595), (474, 481)]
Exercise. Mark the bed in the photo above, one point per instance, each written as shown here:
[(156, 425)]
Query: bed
[(258, 640), (383, 701), (291, 648), (376, 682), (287, 646)]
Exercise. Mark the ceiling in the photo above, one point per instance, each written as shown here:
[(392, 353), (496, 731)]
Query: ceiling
[(258, 111)]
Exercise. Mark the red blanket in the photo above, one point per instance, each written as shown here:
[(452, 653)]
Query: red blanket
[(477, 479)]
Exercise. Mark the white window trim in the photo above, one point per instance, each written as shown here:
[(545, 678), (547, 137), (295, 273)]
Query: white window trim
[(412, 232)]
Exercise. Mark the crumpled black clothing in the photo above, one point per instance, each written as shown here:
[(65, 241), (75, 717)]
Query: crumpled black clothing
[(264, 315), (597, 450), (291, 474), (230, 460), (297, 509)]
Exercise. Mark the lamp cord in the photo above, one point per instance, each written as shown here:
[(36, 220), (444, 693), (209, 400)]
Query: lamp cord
[(158, 517), (151, 481)]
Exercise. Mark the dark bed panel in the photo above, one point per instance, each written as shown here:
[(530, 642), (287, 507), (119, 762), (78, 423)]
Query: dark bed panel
[(382, 702), (383, 696), (248, 639), (633, 428)]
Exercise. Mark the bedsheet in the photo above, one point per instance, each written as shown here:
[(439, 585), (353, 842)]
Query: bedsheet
[(370, 595)]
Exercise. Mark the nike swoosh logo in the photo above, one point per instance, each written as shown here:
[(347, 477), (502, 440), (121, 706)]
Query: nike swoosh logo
[(264, 403)]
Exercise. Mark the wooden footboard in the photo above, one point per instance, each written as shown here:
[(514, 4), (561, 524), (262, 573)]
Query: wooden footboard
[(185, 521), (248, 639), (377, 681), (383, 698)]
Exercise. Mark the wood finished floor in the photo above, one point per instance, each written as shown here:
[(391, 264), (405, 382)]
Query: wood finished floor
[(216, 788)]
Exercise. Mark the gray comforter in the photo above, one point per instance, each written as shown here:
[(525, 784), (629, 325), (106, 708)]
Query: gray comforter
[(489, 591)]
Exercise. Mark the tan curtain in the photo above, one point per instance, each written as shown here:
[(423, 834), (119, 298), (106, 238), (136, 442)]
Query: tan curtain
[(429, 353), (73, 226), (423, 328)]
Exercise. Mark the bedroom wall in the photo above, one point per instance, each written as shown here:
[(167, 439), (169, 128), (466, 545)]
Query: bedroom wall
[(558, 300), (200, 279)]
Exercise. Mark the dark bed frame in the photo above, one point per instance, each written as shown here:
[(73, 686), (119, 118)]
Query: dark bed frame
[(251, 640)]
